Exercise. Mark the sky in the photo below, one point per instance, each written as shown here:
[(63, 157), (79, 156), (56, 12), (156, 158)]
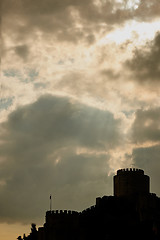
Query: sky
[(79, 99)]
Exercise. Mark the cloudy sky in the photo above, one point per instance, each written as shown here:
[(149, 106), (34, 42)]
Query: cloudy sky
[(79, 99)]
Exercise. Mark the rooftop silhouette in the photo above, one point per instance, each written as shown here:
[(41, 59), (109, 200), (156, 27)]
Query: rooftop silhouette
[(132, 213)]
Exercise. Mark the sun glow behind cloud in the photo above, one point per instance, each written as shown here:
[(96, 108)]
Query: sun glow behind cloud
[(138, 32)]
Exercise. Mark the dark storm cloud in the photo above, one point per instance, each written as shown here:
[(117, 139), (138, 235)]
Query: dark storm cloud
[(39, 155), (145, 64), (69, 20), (61, 17), (146, 126), (148, 159)]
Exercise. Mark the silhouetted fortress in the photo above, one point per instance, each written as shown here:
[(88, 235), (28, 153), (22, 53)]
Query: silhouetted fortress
[(132, 213)]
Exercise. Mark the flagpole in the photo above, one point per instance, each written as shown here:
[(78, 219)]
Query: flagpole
[(50, 202)]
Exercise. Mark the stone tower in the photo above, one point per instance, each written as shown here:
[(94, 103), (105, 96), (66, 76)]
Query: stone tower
[(131, 182)]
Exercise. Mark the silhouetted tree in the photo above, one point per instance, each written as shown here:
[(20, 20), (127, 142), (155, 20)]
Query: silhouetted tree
[(24, 237), (34, 232), (19, 238), (33, 228)]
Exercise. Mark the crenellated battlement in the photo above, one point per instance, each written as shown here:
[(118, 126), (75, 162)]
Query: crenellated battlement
[(61, 217), (130, 170), (61, 212)]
